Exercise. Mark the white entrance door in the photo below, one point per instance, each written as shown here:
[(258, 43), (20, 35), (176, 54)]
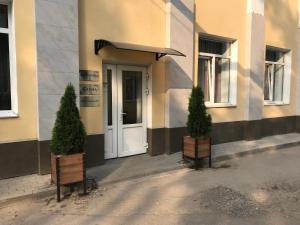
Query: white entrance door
[(125, 111)]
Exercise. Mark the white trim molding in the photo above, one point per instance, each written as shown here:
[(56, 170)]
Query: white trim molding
[(149, 96), (256, 6), (230, 54), (298, 73), (234, 73), (12, 60), (287, 77), (286, 82), (7, 114)]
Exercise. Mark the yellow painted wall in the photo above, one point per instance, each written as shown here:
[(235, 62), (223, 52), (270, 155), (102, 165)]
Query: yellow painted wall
[(281, 26), (24, 127), (118, 20), (225, 19), (145, 24)]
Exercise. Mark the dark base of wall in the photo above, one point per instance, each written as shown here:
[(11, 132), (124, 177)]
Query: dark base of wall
[(169, 140), (164, 140), (227, 132), (281, 125), (44, 157), (18, 159), (94, 148), (156, 141), (297, 124), (174, 139), (29, 157)]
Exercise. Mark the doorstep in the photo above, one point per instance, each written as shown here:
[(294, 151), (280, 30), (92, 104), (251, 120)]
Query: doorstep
[(117, 170)]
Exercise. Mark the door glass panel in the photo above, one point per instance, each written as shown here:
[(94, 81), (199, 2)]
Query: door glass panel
[(132, 97), (109, 97), (3, 16)]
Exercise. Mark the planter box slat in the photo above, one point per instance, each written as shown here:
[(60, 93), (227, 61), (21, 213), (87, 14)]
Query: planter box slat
[(71, 178), (71, 171), (71, 165), (189, 145), (189, 152), (68, 169), (71, 159), (196, 148)]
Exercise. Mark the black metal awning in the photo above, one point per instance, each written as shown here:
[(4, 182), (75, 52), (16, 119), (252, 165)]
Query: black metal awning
[(159, 52)]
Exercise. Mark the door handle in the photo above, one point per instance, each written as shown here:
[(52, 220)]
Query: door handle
[(121, 116)]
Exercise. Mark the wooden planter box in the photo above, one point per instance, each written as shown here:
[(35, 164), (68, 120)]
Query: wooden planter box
[(196, 149), (68, 169)]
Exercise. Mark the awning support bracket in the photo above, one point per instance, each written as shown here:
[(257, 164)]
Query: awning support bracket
[(99, 44), (159, 55), (97, 47)]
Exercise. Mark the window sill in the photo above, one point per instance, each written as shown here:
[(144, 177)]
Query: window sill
[(8, 114), (266, 103), (219, 105)]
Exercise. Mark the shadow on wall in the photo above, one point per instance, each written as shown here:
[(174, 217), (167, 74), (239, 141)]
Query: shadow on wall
[(283, 20), (278, 21), (279, 12)]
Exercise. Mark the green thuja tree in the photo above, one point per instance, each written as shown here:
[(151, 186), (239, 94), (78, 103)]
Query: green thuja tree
[(68, 135), (199, 121)]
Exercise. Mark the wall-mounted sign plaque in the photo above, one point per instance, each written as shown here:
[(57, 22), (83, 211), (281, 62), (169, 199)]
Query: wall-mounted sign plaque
[(89, 101), (88, 75), (89, 89)]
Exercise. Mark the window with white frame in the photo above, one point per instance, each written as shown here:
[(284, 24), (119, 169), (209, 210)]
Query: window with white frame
[(217, 71), (277, 76), (7, 81)]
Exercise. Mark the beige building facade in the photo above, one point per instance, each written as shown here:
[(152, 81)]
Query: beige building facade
[(133, 65)]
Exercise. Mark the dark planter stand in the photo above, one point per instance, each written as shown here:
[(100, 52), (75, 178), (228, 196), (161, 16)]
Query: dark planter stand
[(196, 149), (68, 169)]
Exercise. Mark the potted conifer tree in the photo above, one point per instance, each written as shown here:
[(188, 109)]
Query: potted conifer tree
[(68, 137), (197, 145)]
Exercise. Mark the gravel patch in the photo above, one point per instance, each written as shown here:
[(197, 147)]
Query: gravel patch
[(230, 202), (284, 198), (282, 186)]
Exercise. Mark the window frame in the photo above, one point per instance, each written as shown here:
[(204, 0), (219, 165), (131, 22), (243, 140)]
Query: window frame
[(286, 77), (13, 112), (231, 55)]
